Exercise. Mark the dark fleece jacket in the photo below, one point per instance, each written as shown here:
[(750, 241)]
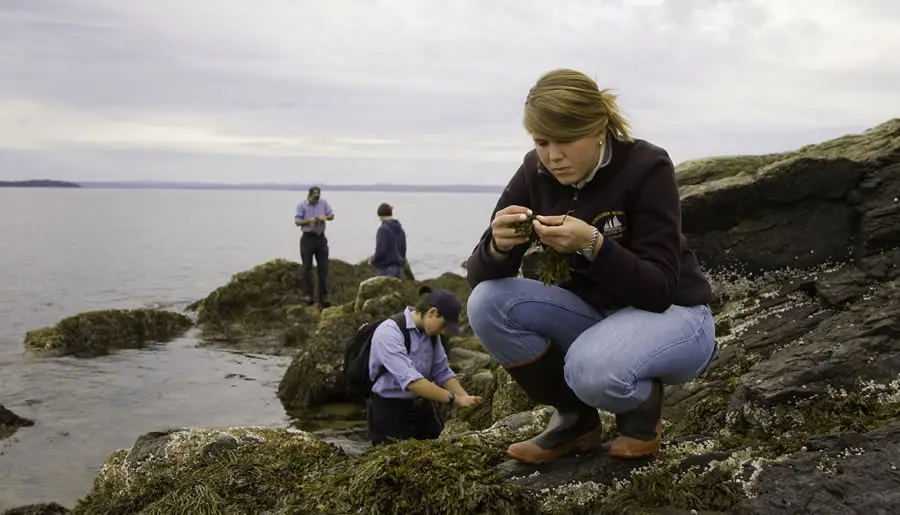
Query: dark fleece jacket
[(390, 244)]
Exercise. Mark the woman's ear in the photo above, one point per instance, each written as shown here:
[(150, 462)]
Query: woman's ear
[(433, 312)]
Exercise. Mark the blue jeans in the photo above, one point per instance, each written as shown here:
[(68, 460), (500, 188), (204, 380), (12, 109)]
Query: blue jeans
[(390, 271), (611, 357)]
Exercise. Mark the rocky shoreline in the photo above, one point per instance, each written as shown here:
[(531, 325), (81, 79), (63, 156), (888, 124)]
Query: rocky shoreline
[(798, 413)]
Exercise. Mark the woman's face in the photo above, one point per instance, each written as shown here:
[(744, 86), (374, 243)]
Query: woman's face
[(572, 161)]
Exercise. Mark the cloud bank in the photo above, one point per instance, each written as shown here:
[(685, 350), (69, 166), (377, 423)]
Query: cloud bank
[(417, 91)]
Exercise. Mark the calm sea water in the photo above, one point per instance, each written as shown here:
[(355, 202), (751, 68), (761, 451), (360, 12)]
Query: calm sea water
[(68, 251)]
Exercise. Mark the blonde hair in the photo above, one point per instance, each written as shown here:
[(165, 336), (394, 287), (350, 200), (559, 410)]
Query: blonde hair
[(567, 105)]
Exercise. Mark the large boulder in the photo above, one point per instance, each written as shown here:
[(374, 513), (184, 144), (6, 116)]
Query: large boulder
[(821, 203), (264, 307), (96, 333)]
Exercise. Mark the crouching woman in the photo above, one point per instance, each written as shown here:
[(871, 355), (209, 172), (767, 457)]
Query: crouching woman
[(630, 312), (406, 385)]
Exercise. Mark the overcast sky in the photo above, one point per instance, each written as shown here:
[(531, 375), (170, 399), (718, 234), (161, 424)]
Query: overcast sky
[(417, 91)]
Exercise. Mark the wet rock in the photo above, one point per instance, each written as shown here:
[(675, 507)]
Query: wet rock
[(846, 473), (820, 203), (353, 441), (97, 333), (38, 509), (468, 361), (10, 422), (842, 356), (314, 375)]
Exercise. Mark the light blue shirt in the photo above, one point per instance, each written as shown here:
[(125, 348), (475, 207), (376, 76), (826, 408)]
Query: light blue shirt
[(306, 210), (424, 361)]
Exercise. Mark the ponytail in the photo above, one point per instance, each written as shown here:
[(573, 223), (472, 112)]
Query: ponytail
[(615, 121)]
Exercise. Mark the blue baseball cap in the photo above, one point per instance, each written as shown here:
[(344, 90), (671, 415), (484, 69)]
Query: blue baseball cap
[(449, 307)]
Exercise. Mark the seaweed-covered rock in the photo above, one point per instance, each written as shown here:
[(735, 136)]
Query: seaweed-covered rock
[(10, 422), (240, 470), (51, 508), (264, 306), (435, 476), (96, 333), (820, 203), (314, 375), (509, 397), (267, 470)]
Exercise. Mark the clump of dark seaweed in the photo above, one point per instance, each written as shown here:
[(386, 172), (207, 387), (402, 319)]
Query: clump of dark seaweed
[(552, 267)]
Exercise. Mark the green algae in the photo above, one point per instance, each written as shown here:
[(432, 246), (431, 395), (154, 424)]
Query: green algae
[(266, 306), (428, 477), (96, 333), (255, 470)]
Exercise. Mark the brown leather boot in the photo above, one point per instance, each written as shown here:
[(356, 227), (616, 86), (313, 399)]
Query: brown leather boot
[(574, 426), (639, 432)]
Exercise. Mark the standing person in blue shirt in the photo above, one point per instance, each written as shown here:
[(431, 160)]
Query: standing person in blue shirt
[(390, 244), (310, 217), (406, 386)]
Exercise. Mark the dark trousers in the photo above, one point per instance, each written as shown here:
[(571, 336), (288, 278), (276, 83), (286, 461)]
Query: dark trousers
[(314, 245), (401, 419), (390, 271)]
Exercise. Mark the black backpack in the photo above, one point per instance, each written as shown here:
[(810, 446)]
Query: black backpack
[(356, 357)]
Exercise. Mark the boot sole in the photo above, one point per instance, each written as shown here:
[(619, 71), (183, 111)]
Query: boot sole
[(647, 448), (533, 455)]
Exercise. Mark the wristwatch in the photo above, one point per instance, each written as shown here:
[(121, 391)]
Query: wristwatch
[(588, 251), (452, 398)]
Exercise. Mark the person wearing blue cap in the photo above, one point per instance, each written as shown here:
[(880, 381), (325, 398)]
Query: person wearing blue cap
[(407, 384)]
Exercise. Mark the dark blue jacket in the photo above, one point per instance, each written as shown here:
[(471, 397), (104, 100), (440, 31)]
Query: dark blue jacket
[(390, 244)]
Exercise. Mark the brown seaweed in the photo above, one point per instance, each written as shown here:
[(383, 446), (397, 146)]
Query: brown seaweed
[(553, 267)]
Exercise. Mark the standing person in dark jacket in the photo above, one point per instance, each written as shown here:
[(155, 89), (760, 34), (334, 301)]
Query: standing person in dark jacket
[(311, 216), (390, 244), (633, 312)]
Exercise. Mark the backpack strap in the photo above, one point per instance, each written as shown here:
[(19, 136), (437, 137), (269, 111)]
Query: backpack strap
[(400, 320)]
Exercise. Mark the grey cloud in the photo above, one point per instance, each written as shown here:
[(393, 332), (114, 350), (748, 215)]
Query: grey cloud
[(699, 77)]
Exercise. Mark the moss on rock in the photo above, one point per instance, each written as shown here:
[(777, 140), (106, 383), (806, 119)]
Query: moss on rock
[(96, 333), (509, 397), (265, 306), (869, 145), (241, 470)]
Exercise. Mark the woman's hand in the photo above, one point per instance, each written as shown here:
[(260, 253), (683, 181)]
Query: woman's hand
[(565, 234), (503, 227)]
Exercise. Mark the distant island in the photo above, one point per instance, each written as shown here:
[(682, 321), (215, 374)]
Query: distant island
[(413, 188), (38, 183)]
